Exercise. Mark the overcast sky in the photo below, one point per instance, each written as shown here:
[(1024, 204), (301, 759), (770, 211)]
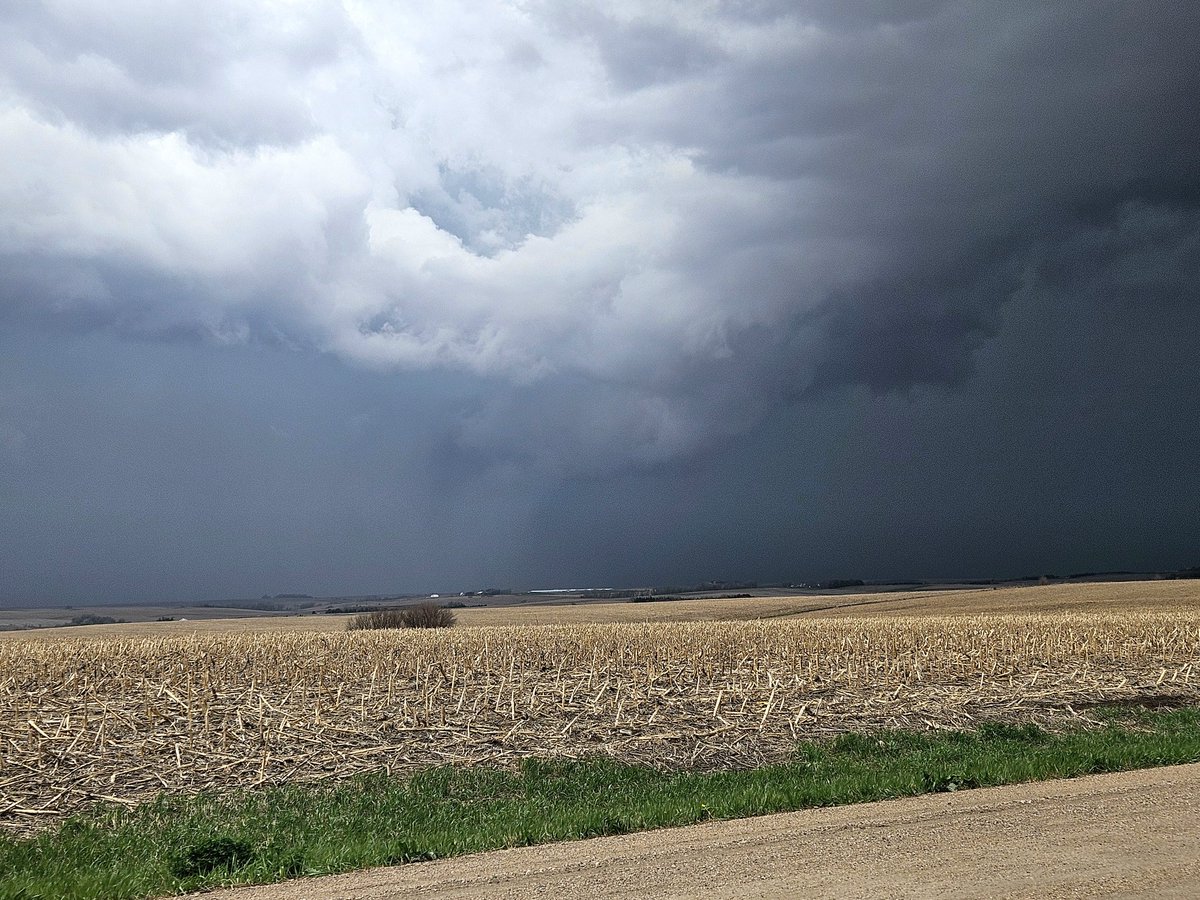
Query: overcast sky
[(344, 298)]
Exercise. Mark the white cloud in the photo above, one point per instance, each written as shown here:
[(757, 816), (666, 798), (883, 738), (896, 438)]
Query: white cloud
[(435, 199)]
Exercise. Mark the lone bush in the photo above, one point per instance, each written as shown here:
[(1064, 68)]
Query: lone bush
[(380, 618), (428, 615), (423, 615)]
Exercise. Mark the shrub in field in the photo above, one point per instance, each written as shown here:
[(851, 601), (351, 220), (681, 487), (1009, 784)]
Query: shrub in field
[(428, 615), (380, 618), (423, 615)]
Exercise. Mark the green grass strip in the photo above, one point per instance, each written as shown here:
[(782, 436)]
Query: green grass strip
[(178, 844)]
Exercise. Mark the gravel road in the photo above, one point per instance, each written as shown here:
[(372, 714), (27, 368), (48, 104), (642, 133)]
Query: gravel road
[(1135, 834)]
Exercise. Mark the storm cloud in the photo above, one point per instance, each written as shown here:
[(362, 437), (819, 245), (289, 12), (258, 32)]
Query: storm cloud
[(626, 233)]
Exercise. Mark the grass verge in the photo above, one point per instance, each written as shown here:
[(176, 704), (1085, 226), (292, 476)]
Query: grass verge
[(178, 844)]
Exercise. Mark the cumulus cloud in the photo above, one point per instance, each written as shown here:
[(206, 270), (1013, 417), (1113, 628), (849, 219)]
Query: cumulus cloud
[(655, 221)]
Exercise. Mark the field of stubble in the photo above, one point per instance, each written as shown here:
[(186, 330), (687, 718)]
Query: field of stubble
[(121, 718)]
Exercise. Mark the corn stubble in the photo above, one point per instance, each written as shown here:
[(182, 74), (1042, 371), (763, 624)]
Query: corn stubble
[(121, 720)]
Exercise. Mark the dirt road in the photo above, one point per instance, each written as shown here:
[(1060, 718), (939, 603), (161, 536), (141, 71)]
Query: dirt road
[(1135, 834)]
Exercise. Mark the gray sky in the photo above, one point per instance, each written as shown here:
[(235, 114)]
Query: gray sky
[(343, 298)]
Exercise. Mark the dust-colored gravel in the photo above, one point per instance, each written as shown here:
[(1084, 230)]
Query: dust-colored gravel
[(1134, 834)]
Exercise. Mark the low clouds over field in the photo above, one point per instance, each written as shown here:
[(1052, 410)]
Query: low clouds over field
[(621, 235)]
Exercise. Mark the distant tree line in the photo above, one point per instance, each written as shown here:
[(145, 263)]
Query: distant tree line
[(90, 619)]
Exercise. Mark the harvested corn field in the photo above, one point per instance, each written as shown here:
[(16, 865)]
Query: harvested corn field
[(121, 720)]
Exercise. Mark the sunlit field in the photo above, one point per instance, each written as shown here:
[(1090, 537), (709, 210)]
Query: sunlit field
[(122, 718), (1165, 595)]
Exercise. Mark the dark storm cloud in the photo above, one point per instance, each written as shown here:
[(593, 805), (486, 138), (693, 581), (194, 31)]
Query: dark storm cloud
[(640, 54), (950, 152), (678, 207), (703, 263), (143, 470)]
